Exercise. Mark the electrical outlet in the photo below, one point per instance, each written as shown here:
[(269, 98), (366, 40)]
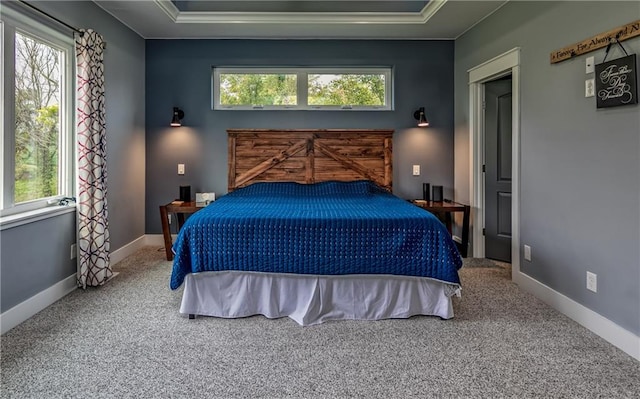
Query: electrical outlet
[(74, 251), (589, 87), (527, 253), (416, 170), (592, 282), (169, 218), (181, 169)]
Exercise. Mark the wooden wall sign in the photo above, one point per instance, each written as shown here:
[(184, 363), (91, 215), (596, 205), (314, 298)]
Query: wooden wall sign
[(601, 40)]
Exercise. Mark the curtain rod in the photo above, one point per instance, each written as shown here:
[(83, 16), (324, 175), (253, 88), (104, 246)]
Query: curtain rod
[(52, 17)]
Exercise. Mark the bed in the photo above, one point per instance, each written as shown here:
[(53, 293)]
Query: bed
[(310, 230)]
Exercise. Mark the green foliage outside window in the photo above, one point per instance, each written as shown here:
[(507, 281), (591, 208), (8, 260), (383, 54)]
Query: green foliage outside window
[(258, 89), (37, 91), (324, 88), (351, 89)]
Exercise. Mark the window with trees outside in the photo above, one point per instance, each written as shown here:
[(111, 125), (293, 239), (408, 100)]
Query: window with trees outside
[(37, 117), (359, 88)]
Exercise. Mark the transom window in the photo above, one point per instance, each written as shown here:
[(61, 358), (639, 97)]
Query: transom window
[(37, 114), (302, 88)]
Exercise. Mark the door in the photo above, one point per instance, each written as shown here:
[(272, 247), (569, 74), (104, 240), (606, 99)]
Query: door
[(497, 117)]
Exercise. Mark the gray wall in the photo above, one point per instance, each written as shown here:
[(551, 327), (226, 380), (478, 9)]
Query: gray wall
[(580, 166), (179, 74), (36, 256)]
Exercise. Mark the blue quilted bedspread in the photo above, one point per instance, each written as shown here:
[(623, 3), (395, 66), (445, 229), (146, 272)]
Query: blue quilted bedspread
[(331, 228)]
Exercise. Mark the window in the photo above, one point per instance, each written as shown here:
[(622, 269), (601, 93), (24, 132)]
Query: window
[(302, 88), (37, 114), (248, 89)]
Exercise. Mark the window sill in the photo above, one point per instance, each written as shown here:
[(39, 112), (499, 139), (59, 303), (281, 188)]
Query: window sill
[(19, 219)]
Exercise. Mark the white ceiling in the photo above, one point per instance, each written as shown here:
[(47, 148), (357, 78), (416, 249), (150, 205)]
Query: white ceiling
[(304, 19)]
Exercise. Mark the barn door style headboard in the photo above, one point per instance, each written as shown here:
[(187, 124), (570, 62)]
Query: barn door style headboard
[(309, 156)]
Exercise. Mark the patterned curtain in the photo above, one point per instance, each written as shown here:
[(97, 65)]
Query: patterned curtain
[(94, 268)]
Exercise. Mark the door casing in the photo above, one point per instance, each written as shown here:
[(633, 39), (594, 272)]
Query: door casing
[(501, 65)]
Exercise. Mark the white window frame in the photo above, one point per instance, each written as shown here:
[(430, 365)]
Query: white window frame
[(302, 87), (13, 21)]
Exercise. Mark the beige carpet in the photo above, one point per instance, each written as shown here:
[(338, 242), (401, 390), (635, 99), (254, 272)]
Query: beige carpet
[(127, 340)]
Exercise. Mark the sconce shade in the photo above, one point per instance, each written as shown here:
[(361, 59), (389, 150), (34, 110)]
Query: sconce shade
[(421, 117), (178, 114)]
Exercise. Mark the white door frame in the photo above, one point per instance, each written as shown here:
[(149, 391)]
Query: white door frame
[(504, 64)]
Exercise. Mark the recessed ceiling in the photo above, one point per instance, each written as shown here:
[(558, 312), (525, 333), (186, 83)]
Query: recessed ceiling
[(300, 6), (303, 19)]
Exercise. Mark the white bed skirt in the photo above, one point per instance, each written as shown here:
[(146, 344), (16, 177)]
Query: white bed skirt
[(310, 299)]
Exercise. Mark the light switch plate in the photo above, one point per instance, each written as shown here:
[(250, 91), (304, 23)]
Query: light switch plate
[(181, 169), (416, 170), (589, 67)]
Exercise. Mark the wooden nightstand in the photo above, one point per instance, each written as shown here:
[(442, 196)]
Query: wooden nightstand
[(179, 210), (445, 209)]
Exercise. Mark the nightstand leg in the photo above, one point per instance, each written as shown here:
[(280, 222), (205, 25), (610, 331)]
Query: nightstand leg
[(180, 217), (465, 231), (166, 232), (447, 221)]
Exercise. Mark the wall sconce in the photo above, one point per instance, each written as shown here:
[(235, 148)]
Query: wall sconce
[(420, 117), (178, 114)]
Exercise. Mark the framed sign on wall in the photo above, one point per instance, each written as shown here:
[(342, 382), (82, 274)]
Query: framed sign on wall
[(616, 82)]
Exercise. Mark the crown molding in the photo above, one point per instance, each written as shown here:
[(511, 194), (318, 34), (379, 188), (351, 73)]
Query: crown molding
[(380, 18), (432, 7), (168, 8)]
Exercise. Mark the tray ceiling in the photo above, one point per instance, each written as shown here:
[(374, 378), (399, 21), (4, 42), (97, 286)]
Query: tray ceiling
[(304, 19)]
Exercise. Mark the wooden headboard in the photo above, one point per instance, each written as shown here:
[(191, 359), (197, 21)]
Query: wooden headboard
[(309, 156)]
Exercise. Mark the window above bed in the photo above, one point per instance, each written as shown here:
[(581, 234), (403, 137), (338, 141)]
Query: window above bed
[(245, 88)]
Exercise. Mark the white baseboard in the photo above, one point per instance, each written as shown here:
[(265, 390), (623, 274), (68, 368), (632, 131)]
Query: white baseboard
[(41, 300), (126, 250), (157, 239), (36, 303), (600, 325)]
